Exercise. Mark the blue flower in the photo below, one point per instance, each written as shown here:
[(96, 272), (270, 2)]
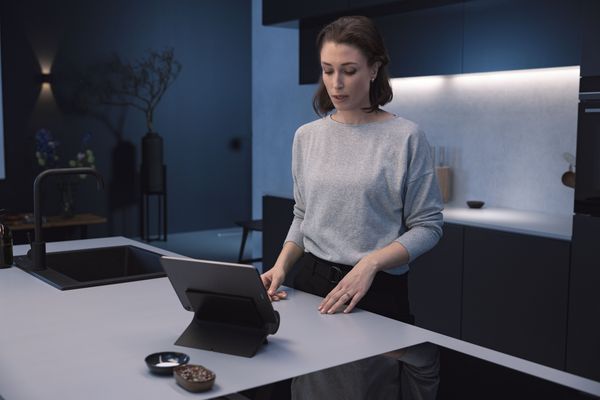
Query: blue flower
[(46, 152), (45, 149)]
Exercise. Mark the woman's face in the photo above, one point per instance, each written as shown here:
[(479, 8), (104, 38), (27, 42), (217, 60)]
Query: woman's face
[(346, 76)]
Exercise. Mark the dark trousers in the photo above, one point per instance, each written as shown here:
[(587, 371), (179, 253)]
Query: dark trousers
[(388, 295), (369, 378)]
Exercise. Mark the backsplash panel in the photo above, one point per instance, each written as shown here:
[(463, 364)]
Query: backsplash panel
[(504, 133)]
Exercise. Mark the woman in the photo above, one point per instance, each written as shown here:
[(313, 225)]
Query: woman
[(366, 203)]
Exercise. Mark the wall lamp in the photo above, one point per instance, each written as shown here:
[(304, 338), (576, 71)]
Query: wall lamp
[(45, 79)]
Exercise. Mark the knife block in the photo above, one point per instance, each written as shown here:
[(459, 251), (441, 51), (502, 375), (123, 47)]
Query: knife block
[(444, 177)]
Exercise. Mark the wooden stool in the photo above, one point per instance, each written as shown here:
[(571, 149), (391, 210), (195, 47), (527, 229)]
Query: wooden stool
[(247, 226)]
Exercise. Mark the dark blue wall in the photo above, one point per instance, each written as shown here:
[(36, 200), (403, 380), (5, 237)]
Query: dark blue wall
[(208, 106)]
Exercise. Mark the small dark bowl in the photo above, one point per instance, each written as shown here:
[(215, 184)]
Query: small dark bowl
[(475, 203), (194, 378), (163, 363)]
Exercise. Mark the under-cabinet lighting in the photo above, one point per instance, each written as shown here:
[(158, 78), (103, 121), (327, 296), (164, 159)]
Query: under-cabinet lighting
[(438, 81)]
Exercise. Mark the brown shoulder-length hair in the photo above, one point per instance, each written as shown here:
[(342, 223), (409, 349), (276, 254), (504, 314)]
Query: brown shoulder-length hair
[(359, 32)]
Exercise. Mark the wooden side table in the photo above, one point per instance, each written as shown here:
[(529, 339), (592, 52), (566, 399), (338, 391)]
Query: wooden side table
[(80, 221)]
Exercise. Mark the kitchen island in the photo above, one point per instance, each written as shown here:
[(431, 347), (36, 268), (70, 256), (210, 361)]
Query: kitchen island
[(91, 343)]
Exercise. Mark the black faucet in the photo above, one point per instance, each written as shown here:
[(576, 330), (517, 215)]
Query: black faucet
[(37, 254)]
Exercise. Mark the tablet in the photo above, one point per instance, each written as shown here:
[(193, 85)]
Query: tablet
[(232, 311)]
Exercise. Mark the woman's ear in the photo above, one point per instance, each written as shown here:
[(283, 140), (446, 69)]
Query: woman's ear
[(375, 69)]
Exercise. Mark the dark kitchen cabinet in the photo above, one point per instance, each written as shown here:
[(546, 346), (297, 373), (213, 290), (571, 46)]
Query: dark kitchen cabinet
[(520, 34), (590, 56), (278, 11), (421, 42), (354, 4), (435, 284), (424, 42), (515, 292), (446, 37), (281, 11), (310, 68), (278, 213), (374, 8), (583, 334)]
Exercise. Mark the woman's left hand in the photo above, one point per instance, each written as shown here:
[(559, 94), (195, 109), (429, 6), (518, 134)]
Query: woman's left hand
[(350, 289)]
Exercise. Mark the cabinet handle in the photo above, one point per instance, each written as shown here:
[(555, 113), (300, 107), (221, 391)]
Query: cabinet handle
[(592, 110), (589, 95)]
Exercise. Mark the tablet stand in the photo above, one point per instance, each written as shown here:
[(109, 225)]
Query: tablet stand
[(225, 324)]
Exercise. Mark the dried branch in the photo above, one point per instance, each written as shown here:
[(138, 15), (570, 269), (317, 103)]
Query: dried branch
[(140, 84)]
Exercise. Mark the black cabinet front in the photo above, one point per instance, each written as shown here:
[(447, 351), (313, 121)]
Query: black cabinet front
[(278, 213), (583, 335), (424, 42), (587, 177), (473, 36), (277, 11), (435, 284), (590, 56), (421, 42), (515, 294), (508, 34)]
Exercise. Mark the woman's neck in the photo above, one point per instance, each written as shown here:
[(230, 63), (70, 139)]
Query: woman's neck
[(360, 117)]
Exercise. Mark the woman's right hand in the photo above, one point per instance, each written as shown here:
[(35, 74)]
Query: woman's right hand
[(272, 279)]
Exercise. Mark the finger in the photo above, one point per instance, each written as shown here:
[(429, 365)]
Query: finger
[(328, 301), (334, 302), (339, 305), (275, 297), (327, 298), (275, 283), (279, 295), (355, 299), (266, 281)]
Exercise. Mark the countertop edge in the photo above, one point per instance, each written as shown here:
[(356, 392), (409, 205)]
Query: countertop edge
[(516, 221)]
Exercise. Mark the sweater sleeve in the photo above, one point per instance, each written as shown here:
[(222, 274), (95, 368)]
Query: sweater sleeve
[(422, 202), (295, 232)]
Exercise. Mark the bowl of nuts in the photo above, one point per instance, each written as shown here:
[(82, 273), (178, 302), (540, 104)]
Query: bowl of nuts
[(194, 378)]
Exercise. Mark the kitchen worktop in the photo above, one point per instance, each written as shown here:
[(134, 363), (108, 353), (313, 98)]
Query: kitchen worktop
[(509, 220), (91, 343)]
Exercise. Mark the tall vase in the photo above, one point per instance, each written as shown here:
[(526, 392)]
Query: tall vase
[(152, 163)]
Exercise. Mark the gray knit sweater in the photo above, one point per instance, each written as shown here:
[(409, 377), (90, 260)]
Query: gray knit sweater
[(357, 188)]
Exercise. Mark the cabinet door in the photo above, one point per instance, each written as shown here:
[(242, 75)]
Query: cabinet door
[(310, 67), (382, 7), (590, 56), (515, 294), (424, 42), (435, 284), (277, 11), (518, 34), (355, 4), (278, 213), (583, 345)]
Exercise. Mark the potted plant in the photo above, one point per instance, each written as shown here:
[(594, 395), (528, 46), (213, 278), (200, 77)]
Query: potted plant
[(141, 85)]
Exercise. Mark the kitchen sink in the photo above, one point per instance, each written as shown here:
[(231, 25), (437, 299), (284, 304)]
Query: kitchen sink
[(93, 267)]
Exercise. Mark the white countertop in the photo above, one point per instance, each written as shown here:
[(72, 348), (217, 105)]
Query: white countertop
[(91, 343), (516, 221)]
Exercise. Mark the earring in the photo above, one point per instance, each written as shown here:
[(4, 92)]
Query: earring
[(372, 79)]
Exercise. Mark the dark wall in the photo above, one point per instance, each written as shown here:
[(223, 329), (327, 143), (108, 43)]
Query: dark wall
[(207, 107)]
